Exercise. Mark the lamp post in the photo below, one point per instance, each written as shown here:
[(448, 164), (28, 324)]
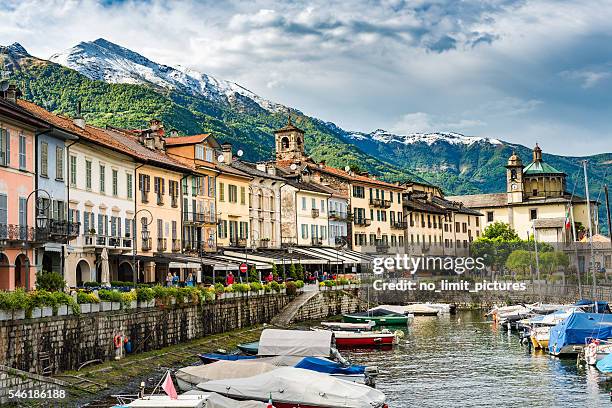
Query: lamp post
[(340, 243), (145, 237), (42, 220), (211, 243)]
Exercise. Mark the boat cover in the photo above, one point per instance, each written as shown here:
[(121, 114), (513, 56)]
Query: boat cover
[(577, 328), (222, 369), (602, 306), (553, 318), (605, 364), (329, 367), (227, 357), (295, 385), (276, 342), (376, 313), (194, 399)]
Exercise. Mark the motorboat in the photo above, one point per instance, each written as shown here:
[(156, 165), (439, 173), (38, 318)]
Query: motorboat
[(510, 314), (539, 326), (249, 348), (353, 339), (596, 350), (572, 334), (198, 399), (208, 358), (348, 326), (380, 317), (189, 377), (605, 364), (290, 387)]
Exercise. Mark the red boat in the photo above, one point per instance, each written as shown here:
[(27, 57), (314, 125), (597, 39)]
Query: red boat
[(347, 339)]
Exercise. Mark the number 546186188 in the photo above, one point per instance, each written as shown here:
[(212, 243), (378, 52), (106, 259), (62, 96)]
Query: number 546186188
[(37, 394)]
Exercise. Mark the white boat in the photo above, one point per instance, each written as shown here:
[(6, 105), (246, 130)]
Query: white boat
[(596, 350), (198, 399), (540, 325), (295, 387), (189, 377)]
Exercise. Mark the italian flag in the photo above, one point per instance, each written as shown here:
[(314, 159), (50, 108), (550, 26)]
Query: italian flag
[(567, 218)]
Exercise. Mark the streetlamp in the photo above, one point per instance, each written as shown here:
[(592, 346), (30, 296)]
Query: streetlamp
[(42, 220), (340, 243), (146, 234), (211, 244)]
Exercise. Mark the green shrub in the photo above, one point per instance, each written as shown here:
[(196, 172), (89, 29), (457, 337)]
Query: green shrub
[(122, 284), (109, 295), (128, 297), (229, 288), (241, 287), (91, 284), (293, 272), (219, 288), (50, 281), (256, 286), (84, 297), (330, 283), (343, 281), (275, 286), (15, 300), (268, 287), (299, 284), (62, 298), (291, 289), (253, 275), (144, 294)]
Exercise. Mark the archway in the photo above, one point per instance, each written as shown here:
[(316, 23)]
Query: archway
[(22, 267), (285, 142), (83, 271), (125, 273), (4, 273)]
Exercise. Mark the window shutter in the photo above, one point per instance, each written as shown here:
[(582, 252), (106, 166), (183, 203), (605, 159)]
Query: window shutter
[(7, 139), (163, 186)]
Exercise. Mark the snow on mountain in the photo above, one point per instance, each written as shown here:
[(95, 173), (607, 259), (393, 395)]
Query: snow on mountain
[(105, 61), (452, 138)]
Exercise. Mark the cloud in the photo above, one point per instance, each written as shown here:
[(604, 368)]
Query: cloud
[(421, 122), (587, 77)]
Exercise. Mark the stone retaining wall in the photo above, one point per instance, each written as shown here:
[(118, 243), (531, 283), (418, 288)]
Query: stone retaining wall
[(330, 303)]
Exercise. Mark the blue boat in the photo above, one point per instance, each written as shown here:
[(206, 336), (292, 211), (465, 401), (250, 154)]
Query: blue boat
[(576, 330), (605, 364), (591, 306), (326, 366), (212, 357)]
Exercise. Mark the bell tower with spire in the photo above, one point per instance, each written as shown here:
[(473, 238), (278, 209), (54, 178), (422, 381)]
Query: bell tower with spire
[(289, 142), (514, 179)]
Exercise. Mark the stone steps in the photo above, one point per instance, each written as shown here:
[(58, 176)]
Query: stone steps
[(288, 312)]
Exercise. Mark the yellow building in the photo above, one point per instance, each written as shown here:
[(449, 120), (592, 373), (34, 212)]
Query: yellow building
[(535, 198), (199, 152), (232, 203)]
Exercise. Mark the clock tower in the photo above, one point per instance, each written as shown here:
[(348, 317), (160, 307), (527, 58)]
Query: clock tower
[(289, 142), (514, 179)]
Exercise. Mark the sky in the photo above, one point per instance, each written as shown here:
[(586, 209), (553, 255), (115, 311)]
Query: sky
[(520, 71)]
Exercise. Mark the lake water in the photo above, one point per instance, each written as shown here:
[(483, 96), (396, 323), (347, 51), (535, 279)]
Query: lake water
[(465, 361)]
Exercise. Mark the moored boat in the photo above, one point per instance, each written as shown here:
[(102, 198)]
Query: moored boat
[(596, 351), (197, 399), (574, 333), (189, 377), (249, 348), (295, 387), (348, 326), (380, 317), (350, 339)]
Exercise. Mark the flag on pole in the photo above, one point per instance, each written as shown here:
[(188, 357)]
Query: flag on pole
[(567, 218), (168, 386), (270, 403)]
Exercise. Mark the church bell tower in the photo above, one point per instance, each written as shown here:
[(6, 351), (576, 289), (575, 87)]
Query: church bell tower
[(514, 179), (289, 143)]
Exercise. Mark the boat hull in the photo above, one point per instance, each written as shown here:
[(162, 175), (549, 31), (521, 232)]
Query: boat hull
[(379, 321), (369, 341)]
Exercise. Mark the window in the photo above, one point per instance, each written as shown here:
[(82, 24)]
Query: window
[(242, 195), (22, 151), (313, 203), (59, 163), (533, 214), (478, 221), (159, 187), (73, 170), (199, 152), (44, 159), (102, 178), (358, 192), (535, 191), (221, 192), (5, 147), (129, 186), (115, 182), (303, 203), (244, 229), (88, 174), (323, 232), (304, 231), (489, 216), (160, 228), (322, 206), (211, 186), (233, 193)]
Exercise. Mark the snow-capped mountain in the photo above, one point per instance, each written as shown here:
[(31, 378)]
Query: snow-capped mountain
[(452, 138), (105, 61)]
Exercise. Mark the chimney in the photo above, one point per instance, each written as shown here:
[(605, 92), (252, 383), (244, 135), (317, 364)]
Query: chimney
[(12, 93), (226, 148), (154, 124), (322, 164), (271, 169), (78, 119)]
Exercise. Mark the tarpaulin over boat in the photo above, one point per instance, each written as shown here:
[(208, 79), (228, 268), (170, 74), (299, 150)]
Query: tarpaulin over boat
[(212, 357), (605, 364), (602, 307), (295, 385), (221, 370), (194, 399), (577, 328), (329, 367), (275, 342)]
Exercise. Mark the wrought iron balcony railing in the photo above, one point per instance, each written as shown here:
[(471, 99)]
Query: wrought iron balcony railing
[(362, 222), (378, 202), (315, 212), (399, 225), (161, 244), (16, 233), (146, 244), (336, 215), (176, 245)]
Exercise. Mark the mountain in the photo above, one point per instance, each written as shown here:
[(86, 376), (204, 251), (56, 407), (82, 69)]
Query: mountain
[(120, 87)]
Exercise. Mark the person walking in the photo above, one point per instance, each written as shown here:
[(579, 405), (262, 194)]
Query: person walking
[(230, 279), (169, 279)]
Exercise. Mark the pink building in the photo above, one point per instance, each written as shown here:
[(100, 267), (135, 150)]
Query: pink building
[(17, 181)]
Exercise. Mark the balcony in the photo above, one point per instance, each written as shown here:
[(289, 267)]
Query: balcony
[(160, 199), (161, 245), (146, 245), (176, 245), (314, 213), (362, 222), (263, 243), (193, 217), (380, 203), (144, 196), (341, 240), (103, 241), (316, 242), (399, 225), (336, 215), (174, 201), (16, 233), (382, 247), (238, 243), (59, 230)]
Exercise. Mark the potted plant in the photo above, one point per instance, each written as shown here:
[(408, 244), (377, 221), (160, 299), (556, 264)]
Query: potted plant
[(229, 291), (13, 304), (84, 300), (129, 300), (145, 297)]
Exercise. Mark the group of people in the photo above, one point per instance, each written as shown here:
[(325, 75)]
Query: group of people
[(172, 279)]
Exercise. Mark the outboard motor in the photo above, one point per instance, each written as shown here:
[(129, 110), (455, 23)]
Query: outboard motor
[(371, 373)]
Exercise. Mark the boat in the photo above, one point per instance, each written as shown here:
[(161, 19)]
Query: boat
[(249, 348), (510, 314), (539, 326), (380, 317), (348, 326), (197, 399), (574, 333), (596, 350), (605, 364), (208, 358), (189, 377), (290, 387), (353, 373), (592, 306), (352, 339)]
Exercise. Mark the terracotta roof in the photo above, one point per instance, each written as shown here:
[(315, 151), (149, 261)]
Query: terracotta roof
[(185, 140), (251, 169), (19, 113), (224, 168), (422, 205), (114, 139), (558, 222), (501, 200), (352, 177), (302, 185), (454, 206)]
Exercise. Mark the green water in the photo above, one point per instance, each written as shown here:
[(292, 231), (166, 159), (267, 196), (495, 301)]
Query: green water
[(465, 361)]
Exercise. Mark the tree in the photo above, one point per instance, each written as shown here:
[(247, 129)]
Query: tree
[(520, 261), (253, 276), (292, 272), (274, 271), (500, 231), (299, 269), (50, 281)]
